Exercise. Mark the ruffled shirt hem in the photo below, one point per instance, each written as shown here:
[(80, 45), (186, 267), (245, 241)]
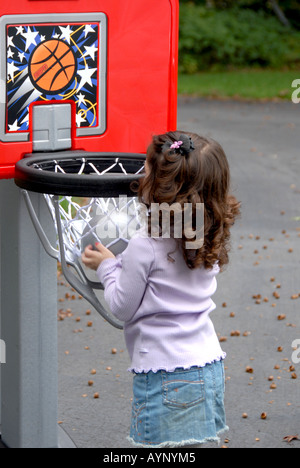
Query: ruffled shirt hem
[(136, 370)]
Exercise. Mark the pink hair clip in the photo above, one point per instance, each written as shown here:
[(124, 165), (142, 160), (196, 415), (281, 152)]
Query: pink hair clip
[(176, 145), (183, 146)]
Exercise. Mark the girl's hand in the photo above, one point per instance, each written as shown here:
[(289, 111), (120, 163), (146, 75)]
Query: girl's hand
[(93, 258)]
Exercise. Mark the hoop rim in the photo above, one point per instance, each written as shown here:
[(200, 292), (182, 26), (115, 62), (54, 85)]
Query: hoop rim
[(107, 185)]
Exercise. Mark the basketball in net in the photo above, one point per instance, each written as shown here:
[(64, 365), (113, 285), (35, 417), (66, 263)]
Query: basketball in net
[(52, 66)]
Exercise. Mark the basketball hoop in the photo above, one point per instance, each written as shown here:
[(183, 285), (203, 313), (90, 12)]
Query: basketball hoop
[(90, 198)]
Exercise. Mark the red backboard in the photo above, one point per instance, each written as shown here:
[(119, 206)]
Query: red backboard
[(114, 63)]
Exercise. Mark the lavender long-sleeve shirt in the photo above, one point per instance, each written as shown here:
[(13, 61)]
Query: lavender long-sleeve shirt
[(165, 306)]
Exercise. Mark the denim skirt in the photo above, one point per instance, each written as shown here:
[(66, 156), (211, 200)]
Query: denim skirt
[(180, 408)]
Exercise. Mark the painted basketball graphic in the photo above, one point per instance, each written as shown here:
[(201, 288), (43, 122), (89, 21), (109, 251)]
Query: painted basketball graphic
[(52, 66), (54, 62)]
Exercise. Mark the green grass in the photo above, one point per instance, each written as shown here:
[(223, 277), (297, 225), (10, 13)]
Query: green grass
[(245, 84)]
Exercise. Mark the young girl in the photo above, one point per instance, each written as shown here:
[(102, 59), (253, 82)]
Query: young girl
[(162, 292)]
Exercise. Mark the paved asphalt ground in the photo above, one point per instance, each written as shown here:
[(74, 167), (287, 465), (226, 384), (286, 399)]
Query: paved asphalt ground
[(262, 141)]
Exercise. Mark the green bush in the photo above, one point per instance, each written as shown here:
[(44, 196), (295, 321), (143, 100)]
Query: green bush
[(214, 39)]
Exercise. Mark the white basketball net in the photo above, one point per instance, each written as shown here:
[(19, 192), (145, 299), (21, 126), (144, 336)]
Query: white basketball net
[(111, 221), (85, 221)]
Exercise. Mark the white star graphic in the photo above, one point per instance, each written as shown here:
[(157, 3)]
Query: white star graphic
[(42, 38), (21, 56), (88, 29), (14, 127), (30, 37), (81, 99), (79, 119), (91, 51), (10, 53), (11, 70), (10, 42), (86, 75), (20, 30), (56, 36), (66, 33), (26, 120)]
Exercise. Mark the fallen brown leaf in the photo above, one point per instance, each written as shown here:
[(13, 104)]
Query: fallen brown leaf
[(281, 317), (289, 438)]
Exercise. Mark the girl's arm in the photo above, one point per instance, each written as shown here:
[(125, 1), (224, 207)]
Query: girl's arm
[(125, 279), (93, 258)]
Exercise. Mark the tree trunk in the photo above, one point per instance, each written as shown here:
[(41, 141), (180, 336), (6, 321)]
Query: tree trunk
[(279, 13)]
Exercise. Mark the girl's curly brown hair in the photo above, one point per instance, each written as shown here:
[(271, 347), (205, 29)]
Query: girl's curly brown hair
[(202, 176)]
